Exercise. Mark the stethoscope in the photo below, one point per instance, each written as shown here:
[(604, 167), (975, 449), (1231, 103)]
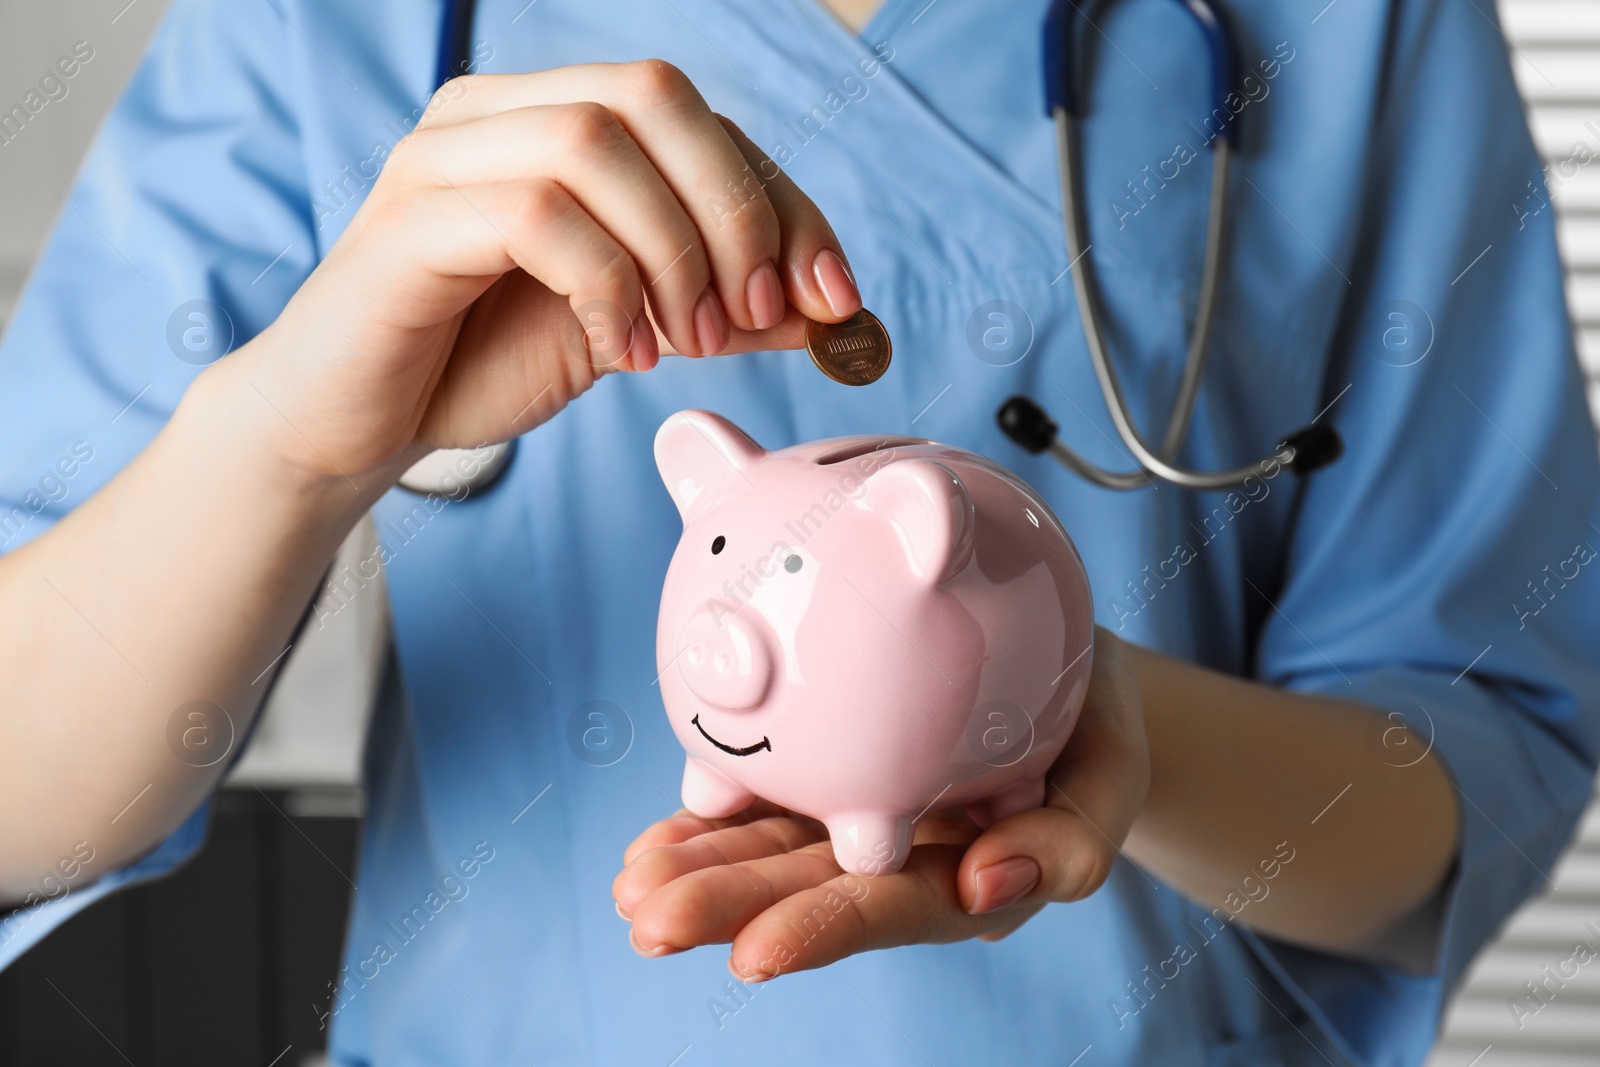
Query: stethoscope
[(1024, 421), (1027, 424)]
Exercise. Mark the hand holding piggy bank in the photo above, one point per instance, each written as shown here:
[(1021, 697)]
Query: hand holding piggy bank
[(863, 630)]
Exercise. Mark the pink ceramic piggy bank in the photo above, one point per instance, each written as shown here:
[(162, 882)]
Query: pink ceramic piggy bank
[(864, 630)]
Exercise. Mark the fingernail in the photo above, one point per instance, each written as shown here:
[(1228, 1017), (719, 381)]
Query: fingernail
[(652, 952), (710, 324), (753, 978), (764, 292), (837, 287), (1002, 884), (642, 347), (620, 914)]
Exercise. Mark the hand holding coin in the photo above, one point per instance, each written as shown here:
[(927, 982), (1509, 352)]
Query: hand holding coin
[(853, 352)]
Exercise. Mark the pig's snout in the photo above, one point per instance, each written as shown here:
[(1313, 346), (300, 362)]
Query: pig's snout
[(724, 657)]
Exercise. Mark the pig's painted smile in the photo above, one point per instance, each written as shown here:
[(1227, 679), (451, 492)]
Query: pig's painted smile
[(748, 750)]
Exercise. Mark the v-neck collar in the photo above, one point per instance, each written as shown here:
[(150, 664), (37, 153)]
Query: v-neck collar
[(891, 16), (883, 21), (913, 106)]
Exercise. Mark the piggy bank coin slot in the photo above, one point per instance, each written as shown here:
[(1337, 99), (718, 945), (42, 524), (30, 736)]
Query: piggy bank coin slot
[(857, 449)]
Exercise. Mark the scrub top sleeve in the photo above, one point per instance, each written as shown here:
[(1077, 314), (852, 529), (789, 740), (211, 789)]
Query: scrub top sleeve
[(55, 899), (185, 233), (1445, 569)]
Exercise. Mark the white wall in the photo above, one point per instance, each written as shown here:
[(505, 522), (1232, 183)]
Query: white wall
[(33, 35)]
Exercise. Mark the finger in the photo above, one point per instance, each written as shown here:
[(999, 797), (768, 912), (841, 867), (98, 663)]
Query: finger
[(472, 96), (790, 333), (815, 271), (852, 914), (952, 826), (684, 825), (671, 831), (656, 867), (486, 384), (666, 116), (820, 285), (1015, 918), (585, 149), (561, 245), (711, 906), (477, 232)]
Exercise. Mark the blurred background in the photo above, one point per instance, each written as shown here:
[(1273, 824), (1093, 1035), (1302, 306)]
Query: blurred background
[(230, 960)]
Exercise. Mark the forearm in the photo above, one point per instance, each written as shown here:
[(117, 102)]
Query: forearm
[(1239, 769), (180, 580)]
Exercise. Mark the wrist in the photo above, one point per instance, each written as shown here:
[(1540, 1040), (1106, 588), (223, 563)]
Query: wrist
[(1143, 669), (254, 443)]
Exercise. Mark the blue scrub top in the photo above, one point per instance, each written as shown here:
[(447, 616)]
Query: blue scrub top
[(1388, 268)]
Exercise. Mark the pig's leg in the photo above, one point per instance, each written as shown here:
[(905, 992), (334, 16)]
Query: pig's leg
[(710, 794), (875, 843), (1023, 796)]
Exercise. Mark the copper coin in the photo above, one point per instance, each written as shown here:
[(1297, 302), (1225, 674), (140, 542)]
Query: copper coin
[(853, 352)]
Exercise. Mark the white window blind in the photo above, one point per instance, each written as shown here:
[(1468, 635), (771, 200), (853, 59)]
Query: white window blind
[(1556, 55)]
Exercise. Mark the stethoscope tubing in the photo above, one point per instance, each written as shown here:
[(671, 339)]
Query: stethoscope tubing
[(1150, 461), (1026, 423)]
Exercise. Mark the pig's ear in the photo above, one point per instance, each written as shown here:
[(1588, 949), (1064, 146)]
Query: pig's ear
[(931, 512), (696, 451)]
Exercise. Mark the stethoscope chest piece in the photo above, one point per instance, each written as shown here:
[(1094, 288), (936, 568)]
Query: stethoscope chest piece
[(447, 470)]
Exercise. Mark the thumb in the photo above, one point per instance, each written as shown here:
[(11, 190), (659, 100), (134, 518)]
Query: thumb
[(789, 333), (1040, 856)]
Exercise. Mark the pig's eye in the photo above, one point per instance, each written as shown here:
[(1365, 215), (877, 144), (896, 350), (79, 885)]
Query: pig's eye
[(792, 564), (718, 544)]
